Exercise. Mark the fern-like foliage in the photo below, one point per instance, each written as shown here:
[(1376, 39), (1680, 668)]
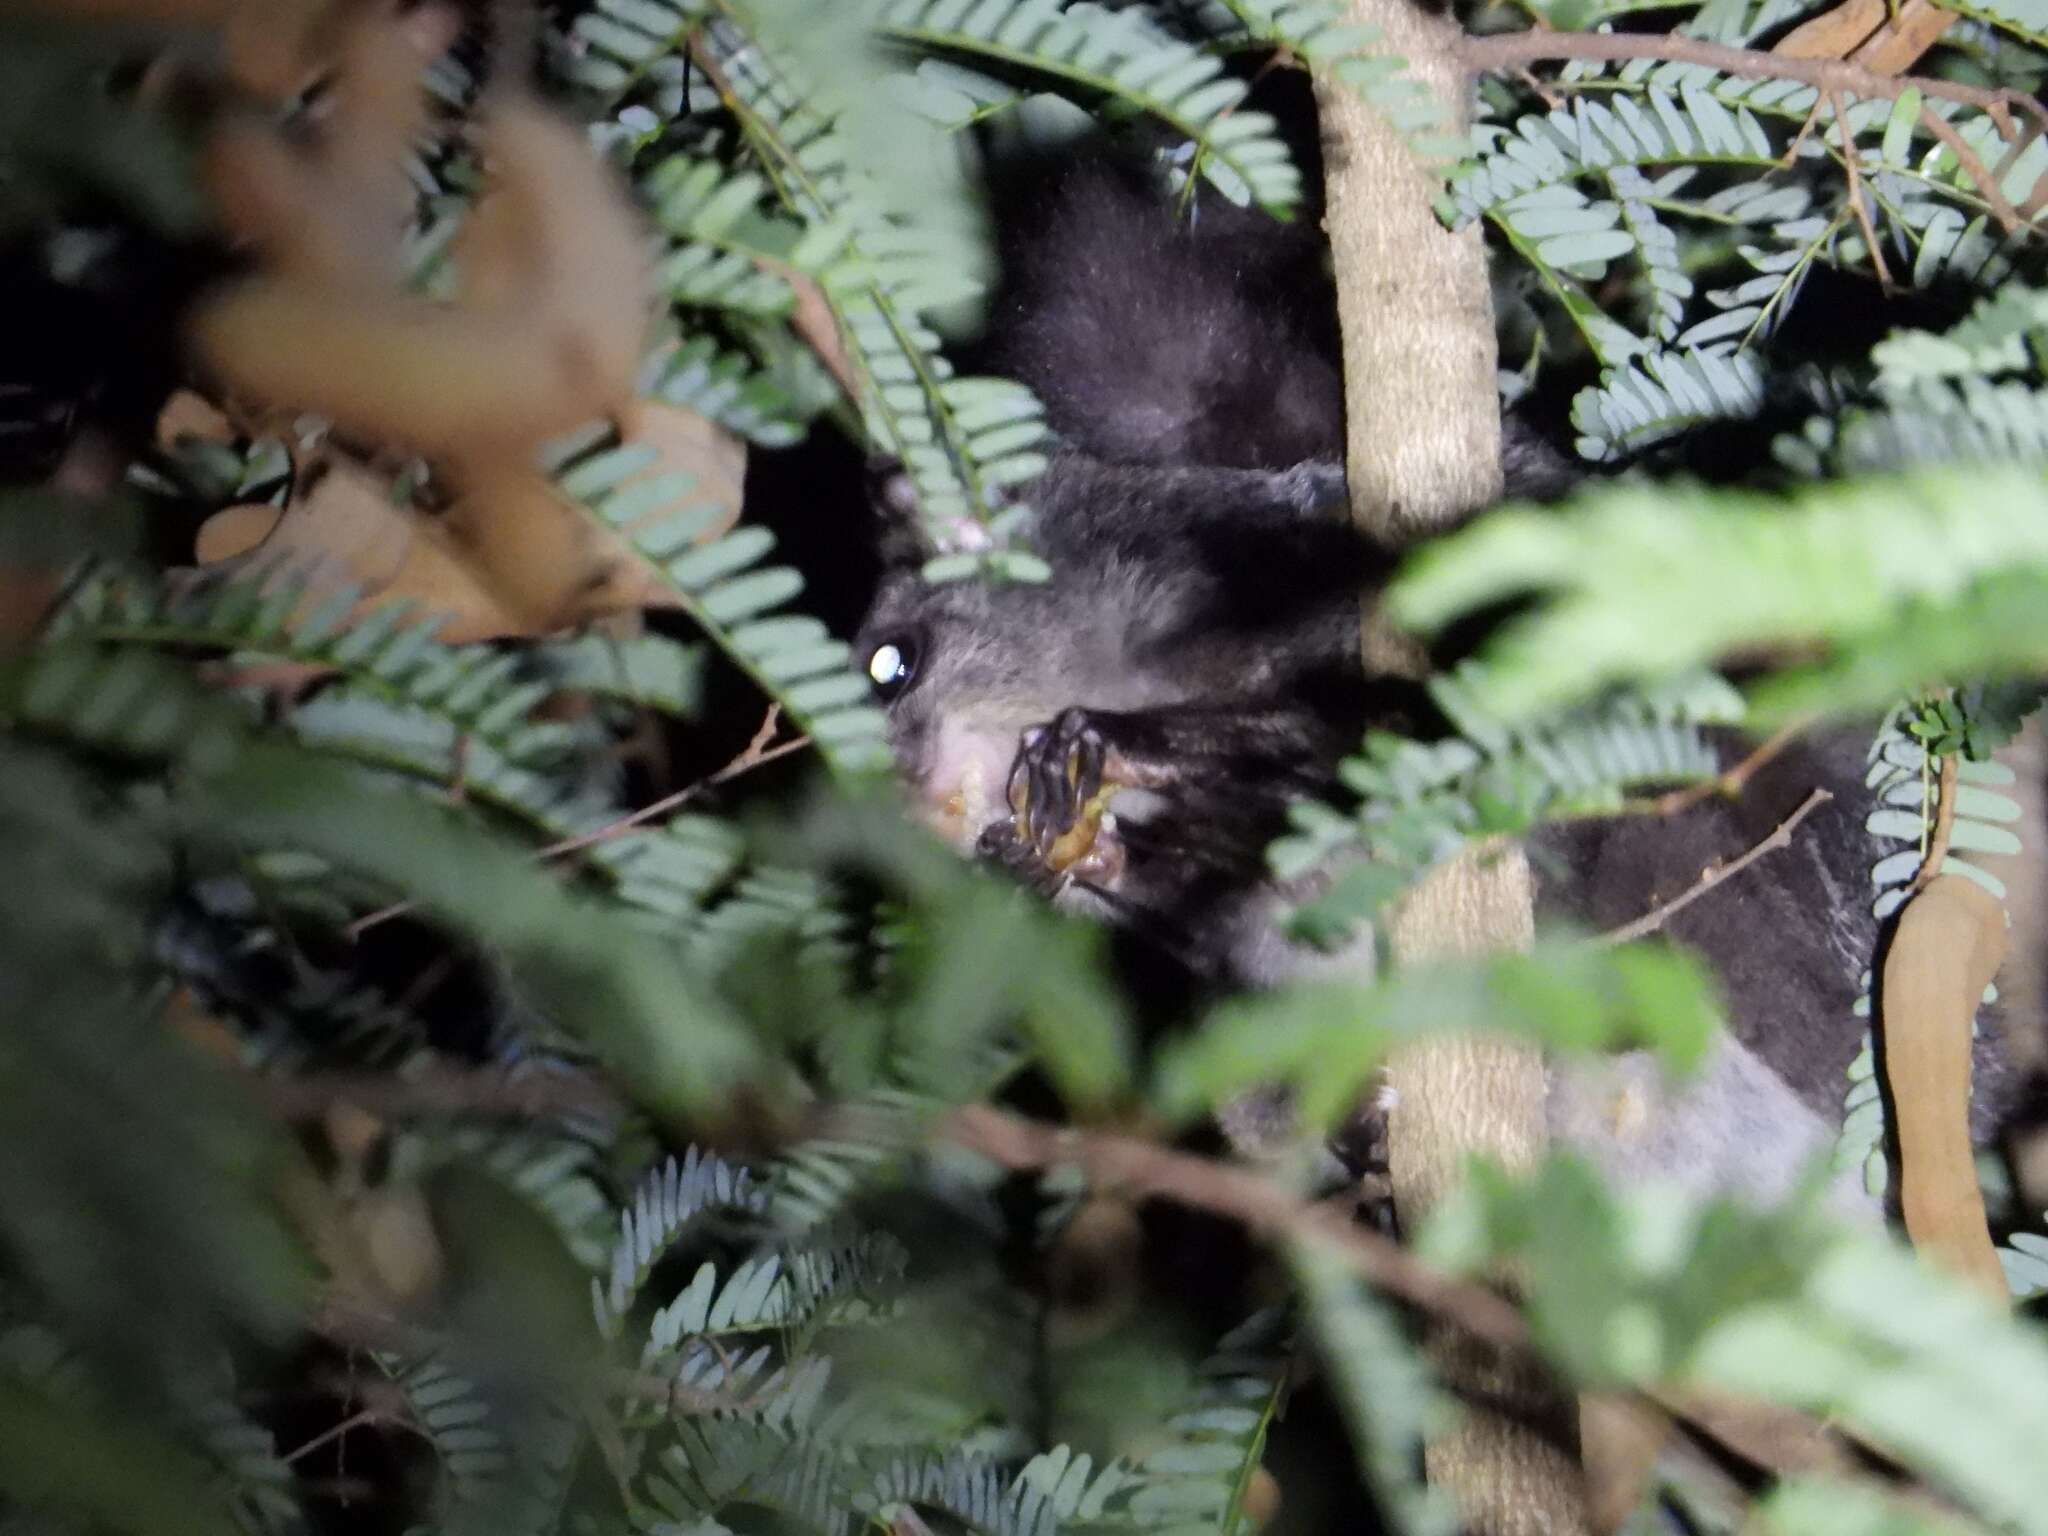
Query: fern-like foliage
[(733, 599), (1387, 1396), (1201, 1481), (1326, 1041), (647, 671), (2025, 1261), (819, 1178), (1812, 1313), (766, 400), (220, 1045), (1420, 803), (1660, 395), (392, 694), (447, 1409), (1905, 783), (1842, 563), (1526, 181), (670, 870), (256, 1483), (1814, 179), (1972, 393), (1111, 53), (667, 1201), (726, 251), (962, 440)]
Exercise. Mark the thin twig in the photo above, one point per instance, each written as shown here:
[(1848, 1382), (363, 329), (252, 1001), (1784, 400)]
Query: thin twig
[(1541, 87), (751, 757), (754, 756), (1944, 825), (1776, 1439), (1855, 175), (355, 1420), (812, 317), (1731, 782), (1977, 170), (1791, 155), (1759, 1432), (1713, 875)]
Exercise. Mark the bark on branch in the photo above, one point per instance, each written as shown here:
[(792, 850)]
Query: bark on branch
[(1423, 452)]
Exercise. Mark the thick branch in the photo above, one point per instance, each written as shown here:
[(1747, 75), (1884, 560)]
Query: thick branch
[(1422, 408)]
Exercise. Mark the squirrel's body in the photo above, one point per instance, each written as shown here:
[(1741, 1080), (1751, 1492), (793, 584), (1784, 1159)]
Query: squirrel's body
[(1198, 644)]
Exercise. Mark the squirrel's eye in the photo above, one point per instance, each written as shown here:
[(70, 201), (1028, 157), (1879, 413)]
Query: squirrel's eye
[(892, 666)]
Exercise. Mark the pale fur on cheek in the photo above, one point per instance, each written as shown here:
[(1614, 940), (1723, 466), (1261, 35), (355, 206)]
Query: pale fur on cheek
[(965, 782)]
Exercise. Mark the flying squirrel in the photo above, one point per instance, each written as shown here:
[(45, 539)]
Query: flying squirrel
[(1127, 736)]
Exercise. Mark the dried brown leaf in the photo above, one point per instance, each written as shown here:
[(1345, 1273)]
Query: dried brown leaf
[(545, 334), (510, 557), (713, 458), (1834, 34), (1867, 31), (348, 532), (1918, 26), (544, 558), (1950, 940)]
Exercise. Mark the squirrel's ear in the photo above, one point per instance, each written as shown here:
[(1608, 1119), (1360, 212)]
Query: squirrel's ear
[(903, 534), (900, 530)]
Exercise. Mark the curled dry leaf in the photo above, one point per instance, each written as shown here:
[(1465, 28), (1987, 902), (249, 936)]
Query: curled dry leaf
[(554, 564), (1881, 34), (1916, 27), (1949, 942), (1835, 33), (510, 558), (348, 532), (713, 458), (545, 332), (546, 562)]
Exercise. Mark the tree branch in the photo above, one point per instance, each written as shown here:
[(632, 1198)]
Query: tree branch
[(1146, 1168), (1774, 1438)]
